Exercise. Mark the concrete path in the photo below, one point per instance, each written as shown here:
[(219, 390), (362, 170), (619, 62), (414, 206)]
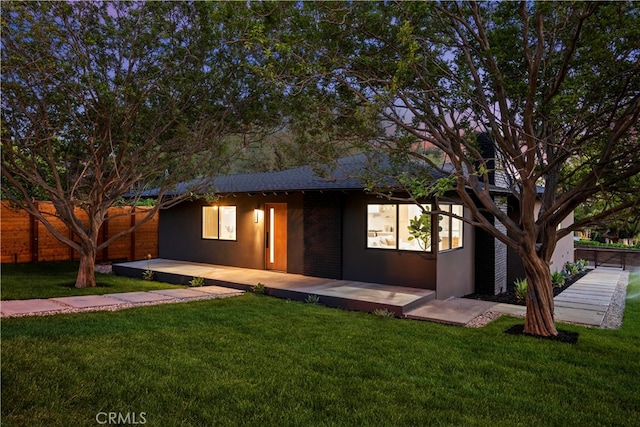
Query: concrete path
[(111, 301), (454, 311), (585, 302)]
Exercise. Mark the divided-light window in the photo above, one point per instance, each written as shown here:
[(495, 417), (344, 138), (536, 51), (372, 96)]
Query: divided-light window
[(219, 222)]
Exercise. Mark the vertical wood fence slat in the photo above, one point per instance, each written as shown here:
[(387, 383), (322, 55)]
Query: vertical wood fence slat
[(34, 237), (25, 239)]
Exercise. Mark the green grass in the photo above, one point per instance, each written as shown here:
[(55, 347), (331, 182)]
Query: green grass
[(260, 361), (57, 279)]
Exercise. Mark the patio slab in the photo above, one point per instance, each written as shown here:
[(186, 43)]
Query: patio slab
[(87, 301), (577, 315), (455, 311), (180, 293), (510, 309), (140, 297), (219, 290), (18, 307), (581, 305)]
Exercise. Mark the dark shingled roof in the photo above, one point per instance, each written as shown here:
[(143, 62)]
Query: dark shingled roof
[(301, 178), (344, 176), (296, 179)]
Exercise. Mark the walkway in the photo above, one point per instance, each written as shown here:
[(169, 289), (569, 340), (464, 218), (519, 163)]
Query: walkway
[(111, 301), (585, 302)]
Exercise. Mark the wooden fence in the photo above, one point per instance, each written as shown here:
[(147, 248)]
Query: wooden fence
[(25, 239), (612, 257)]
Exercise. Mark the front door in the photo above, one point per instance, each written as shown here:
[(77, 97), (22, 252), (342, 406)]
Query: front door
[(276, 236)]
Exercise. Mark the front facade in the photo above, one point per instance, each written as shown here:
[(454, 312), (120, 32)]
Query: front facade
[(295, 222)]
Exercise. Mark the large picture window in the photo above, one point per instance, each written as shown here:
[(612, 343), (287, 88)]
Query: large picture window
[(404, 227), (451, 228), (219, 222)]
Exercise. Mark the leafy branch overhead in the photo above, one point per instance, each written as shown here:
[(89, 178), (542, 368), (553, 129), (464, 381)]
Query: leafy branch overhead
[(103, 101), (540, 100)]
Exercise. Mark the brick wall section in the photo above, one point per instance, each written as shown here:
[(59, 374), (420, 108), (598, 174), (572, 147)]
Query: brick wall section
[(491, 258), (322, 234), (500, 259)]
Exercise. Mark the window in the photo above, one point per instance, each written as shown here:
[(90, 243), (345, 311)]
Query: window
[(209, 222), (219, 222), (381, 226), (414, 228), (403, 227), (451, 228)]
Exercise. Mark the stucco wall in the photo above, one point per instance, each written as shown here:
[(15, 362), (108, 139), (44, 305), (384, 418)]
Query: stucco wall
[(456, 268), (564, 248), (386, 266), (180, 233)]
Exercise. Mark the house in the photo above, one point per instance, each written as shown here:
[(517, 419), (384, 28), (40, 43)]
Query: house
[(298, 222)]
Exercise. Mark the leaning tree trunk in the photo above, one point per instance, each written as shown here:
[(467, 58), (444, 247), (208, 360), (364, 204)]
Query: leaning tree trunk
[(539, 319)]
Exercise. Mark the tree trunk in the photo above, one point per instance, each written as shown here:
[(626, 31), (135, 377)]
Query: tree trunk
[(87, 271), (540, 307)]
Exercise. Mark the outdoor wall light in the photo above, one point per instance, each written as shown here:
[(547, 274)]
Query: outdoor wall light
[(256, 214)]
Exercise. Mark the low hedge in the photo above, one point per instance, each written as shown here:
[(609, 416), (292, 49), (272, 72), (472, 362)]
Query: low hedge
[(593, 243)]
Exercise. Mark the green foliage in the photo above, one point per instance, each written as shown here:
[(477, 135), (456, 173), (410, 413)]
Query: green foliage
[(56, 279), (312, 299), (582, 264), (148, 275), (606, 245), (356, 366), (103, 100), (383, 312), (196, 282), (571, 269), (259, 289), (521, 288), (557, 279), (420, 230)]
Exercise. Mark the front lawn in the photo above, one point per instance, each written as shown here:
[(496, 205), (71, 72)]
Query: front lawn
[(260, 361), (57, 279)]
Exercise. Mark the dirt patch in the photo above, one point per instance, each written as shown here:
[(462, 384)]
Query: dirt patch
[(563, 336)]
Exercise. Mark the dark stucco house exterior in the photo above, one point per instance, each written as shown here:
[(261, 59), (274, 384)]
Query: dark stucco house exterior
[(297, 222)]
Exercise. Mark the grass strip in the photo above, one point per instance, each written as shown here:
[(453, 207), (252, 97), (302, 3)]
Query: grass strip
[(57, 279)]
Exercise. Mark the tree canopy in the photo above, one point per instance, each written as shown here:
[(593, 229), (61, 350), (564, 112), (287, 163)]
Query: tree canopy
[(553, 86), (102, 100)]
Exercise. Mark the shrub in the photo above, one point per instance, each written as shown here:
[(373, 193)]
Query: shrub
[(582, 264), (383, 312), (572, 268), (196, 282), (312, 299), (259, 289), (558, 279), (147, 275), (521, 288), (606, 245)]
